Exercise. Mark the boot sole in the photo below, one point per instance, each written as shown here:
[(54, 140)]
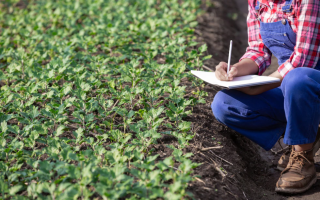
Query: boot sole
[(299, 190)]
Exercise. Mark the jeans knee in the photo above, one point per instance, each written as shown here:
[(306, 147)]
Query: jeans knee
[(296, 81), (218, 107)]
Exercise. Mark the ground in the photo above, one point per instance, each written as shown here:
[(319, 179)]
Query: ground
[(232, 167), (240, 169)]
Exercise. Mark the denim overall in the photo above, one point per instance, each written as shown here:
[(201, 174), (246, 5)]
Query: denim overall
[(292, 109)]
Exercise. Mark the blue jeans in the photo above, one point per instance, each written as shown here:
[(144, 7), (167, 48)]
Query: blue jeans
[(293, 109)]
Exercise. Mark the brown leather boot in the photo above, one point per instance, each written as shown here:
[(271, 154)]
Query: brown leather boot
[(284, 159), (299, 175)]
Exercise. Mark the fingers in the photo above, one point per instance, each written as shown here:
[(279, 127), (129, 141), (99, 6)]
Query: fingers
[(233, 72), (221, 72)]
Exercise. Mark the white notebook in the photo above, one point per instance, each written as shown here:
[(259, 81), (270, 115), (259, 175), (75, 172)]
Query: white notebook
[(237, 82)]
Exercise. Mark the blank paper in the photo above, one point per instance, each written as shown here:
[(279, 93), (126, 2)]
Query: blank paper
[(237, 82)]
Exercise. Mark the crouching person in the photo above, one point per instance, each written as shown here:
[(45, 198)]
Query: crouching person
[(290, 30)]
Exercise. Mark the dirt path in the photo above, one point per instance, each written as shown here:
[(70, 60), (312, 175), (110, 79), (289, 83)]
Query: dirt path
[(241, 169)]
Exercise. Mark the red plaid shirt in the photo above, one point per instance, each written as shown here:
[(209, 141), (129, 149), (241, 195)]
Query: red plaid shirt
[(305, 22)]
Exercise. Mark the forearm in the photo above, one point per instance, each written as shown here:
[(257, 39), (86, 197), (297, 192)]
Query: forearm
[(246, 67)]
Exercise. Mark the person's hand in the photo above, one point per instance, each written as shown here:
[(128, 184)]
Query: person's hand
[(221, 72)]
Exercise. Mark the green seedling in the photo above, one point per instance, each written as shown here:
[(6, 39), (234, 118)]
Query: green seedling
[(86, 89)]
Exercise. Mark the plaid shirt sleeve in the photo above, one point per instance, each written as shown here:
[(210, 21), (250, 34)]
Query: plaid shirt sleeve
[(307, 49), (256, 51)]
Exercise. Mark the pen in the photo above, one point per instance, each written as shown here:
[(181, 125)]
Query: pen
[(229, 59)]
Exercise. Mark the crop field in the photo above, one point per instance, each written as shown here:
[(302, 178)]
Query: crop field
[(87, 87)]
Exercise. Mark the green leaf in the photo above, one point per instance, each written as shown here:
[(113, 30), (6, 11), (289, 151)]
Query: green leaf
[(130, 114), (14, 129), (2, 75), (175, 186), (4, 126), (89, 118), (4, 117), (78, 133), (3, 143), (168, 161), (60, 130), (3, 185), (13, 190), (50, 187), (203, 48), (45, 166), (34, 112), (184, 126), (207, 57), (34, 135)]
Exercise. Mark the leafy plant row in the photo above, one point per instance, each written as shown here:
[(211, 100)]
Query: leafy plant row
[(87, 87)]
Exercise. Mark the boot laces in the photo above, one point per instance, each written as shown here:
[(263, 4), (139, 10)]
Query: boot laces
[(297, 160)]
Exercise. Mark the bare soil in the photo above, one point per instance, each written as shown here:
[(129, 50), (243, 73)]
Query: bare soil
[(240, 169)]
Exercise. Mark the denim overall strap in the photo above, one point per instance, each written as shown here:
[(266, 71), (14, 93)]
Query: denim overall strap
[(257, 6), (287, 7)]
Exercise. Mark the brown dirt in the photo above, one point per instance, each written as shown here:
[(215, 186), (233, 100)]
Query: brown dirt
[(249, 171)]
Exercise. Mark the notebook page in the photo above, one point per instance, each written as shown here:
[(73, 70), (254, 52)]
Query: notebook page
[(237, 82)]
